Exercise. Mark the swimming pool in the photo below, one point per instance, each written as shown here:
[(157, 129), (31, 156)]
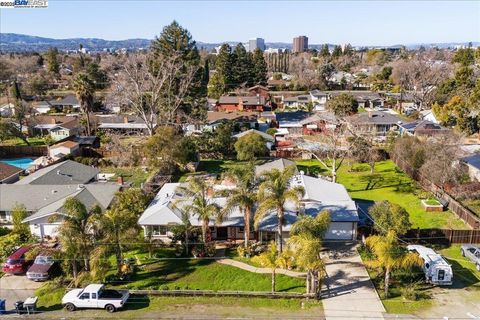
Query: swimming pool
[(23, 163)]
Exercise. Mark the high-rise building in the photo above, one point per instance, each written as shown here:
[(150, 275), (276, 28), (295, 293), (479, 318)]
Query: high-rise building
[(300, 44), (257, 43)]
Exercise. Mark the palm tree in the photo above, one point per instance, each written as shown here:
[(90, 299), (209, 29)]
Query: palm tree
[(270, 259), (390, 256), (243, 196), (306, 238), (200, 204), (76, 231), (274, 192), (84, 90), (186, 226)]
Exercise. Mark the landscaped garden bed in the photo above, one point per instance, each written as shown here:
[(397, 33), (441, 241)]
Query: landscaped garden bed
[(432, 205)]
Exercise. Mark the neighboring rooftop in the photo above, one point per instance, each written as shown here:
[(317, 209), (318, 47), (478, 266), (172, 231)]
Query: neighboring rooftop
[(7, 171), (245, 100), (63, 173), (216, 116), (291, 119), (260, 133), (373, 117), (279, 164)]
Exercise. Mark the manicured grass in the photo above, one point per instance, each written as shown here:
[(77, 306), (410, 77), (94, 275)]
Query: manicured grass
[(135, 175), (213, 167), (49, 297), (205, 274), (399, 305), (387, 183), (432, 202), (153, 307), (34, 141), (463, 268)]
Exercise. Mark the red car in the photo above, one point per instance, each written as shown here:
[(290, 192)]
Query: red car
[(16, 262)]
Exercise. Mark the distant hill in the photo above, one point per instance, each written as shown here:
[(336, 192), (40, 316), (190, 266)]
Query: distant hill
[(13, 42)]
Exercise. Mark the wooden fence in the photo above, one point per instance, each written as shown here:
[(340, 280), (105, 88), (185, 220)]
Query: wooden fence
[(441, 236), (36, 151), (460, 210)]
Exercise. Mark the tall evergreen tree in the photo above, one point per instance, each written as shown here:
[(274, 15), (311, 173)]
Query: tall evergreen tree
[(324, 52), (224, 67), (206, 71), (241, 66), (52, 61), (337, 51), (176, 40), (260, 67)]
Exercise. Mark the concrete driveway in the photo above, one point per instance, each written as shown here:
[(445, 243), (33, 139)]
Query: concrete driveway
[(347, 291), (16, 288)]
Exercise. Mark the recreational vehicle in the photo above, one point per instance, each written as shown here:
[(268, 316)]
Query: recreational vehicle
[(437, 270)]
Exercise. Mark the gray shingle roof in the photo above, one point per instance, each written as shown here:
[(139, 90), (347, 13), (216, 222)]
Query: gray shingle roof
[(66, 172), (262, 134), (373, 117), (100, 194), (279, 164)]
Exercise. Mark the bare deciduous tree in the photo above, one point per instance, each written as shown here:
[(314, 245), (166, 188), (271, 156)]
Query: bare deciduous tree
[(154, 92)]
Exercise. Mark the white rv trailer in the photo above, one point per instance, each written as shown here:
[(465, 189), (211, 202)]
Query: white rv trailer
[(437, 270)]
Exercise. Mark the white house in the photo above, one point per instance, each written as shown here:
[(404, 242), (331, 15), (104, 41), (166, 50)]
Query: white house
[(7, 110), (269, 140), (320, 195), (59, 150), (428, 115)]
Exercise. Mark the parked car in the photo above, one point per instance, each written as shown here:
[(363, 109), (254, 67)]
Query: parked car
[(95, 296), (436, 268), (472, 253), (16, 262), (42, 268)]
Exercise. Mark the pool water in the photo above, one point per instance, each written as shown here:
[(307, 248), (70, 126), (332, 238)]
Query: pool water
[(22, 163)]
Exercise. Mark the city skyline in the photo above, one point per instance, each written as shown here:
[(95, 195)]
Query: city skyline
[(359, 23)]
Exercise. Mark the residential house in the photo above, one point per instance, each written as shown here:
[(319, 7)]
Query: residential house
[(163, 213), (123, 124), (62, 173), (7, 110), (62, 149), (279, 164), (429, 116), (376, 123), (242, 103), (422, 128), (473, 164), (261, 91), (8, 173), (66, 104), (45, 203), (58, 127), (216, 118), (292, 121), (42, 107), (319, 100), (298, 102), (365, 99), (269, 140)]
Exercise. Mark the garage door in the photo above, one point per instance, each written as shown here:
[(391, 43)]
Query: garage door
[(340, 231), (49, 229)]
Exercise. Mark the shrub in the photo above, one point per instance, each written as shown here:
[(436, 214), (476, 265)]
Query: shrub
[(410, 292)]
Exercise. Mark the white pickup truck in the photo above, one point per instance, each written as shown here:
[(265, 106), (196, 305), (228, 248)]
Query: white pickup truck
[(95, 296)]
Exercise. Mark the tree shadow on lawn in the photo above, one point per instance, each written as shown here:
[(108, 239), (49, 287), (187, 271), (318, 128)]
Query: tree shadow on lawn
[(377, 181), (314, 170), (136, 302), (163, 272), (462, 277)]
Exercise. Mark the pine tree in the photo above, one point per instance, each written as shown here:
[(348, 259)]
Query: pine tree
[(240, 70), (206, 72), (52, 61), (260, 67), (175, 40), (224, 67), (324, 52), (337, 52)]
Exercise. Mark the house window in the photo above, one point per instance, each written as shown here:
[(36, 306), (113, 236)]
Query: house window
[(159, 230), (241, 229)]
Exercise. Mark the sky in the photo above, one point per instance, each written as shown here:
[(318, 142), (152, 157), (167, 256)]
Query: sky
[(354, 22)]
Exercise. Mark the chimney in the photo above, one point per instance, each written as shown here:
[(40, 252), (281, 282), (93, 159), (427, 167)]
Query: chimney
[(125, 119), (53, 121), (120, 180)]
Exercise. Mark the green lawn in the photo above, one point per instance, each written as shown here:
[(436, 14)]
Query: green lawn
[(213, 166), (34, 141), (135, 175), (153, 307), (205, 274), (463, 268), (387, 183)]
